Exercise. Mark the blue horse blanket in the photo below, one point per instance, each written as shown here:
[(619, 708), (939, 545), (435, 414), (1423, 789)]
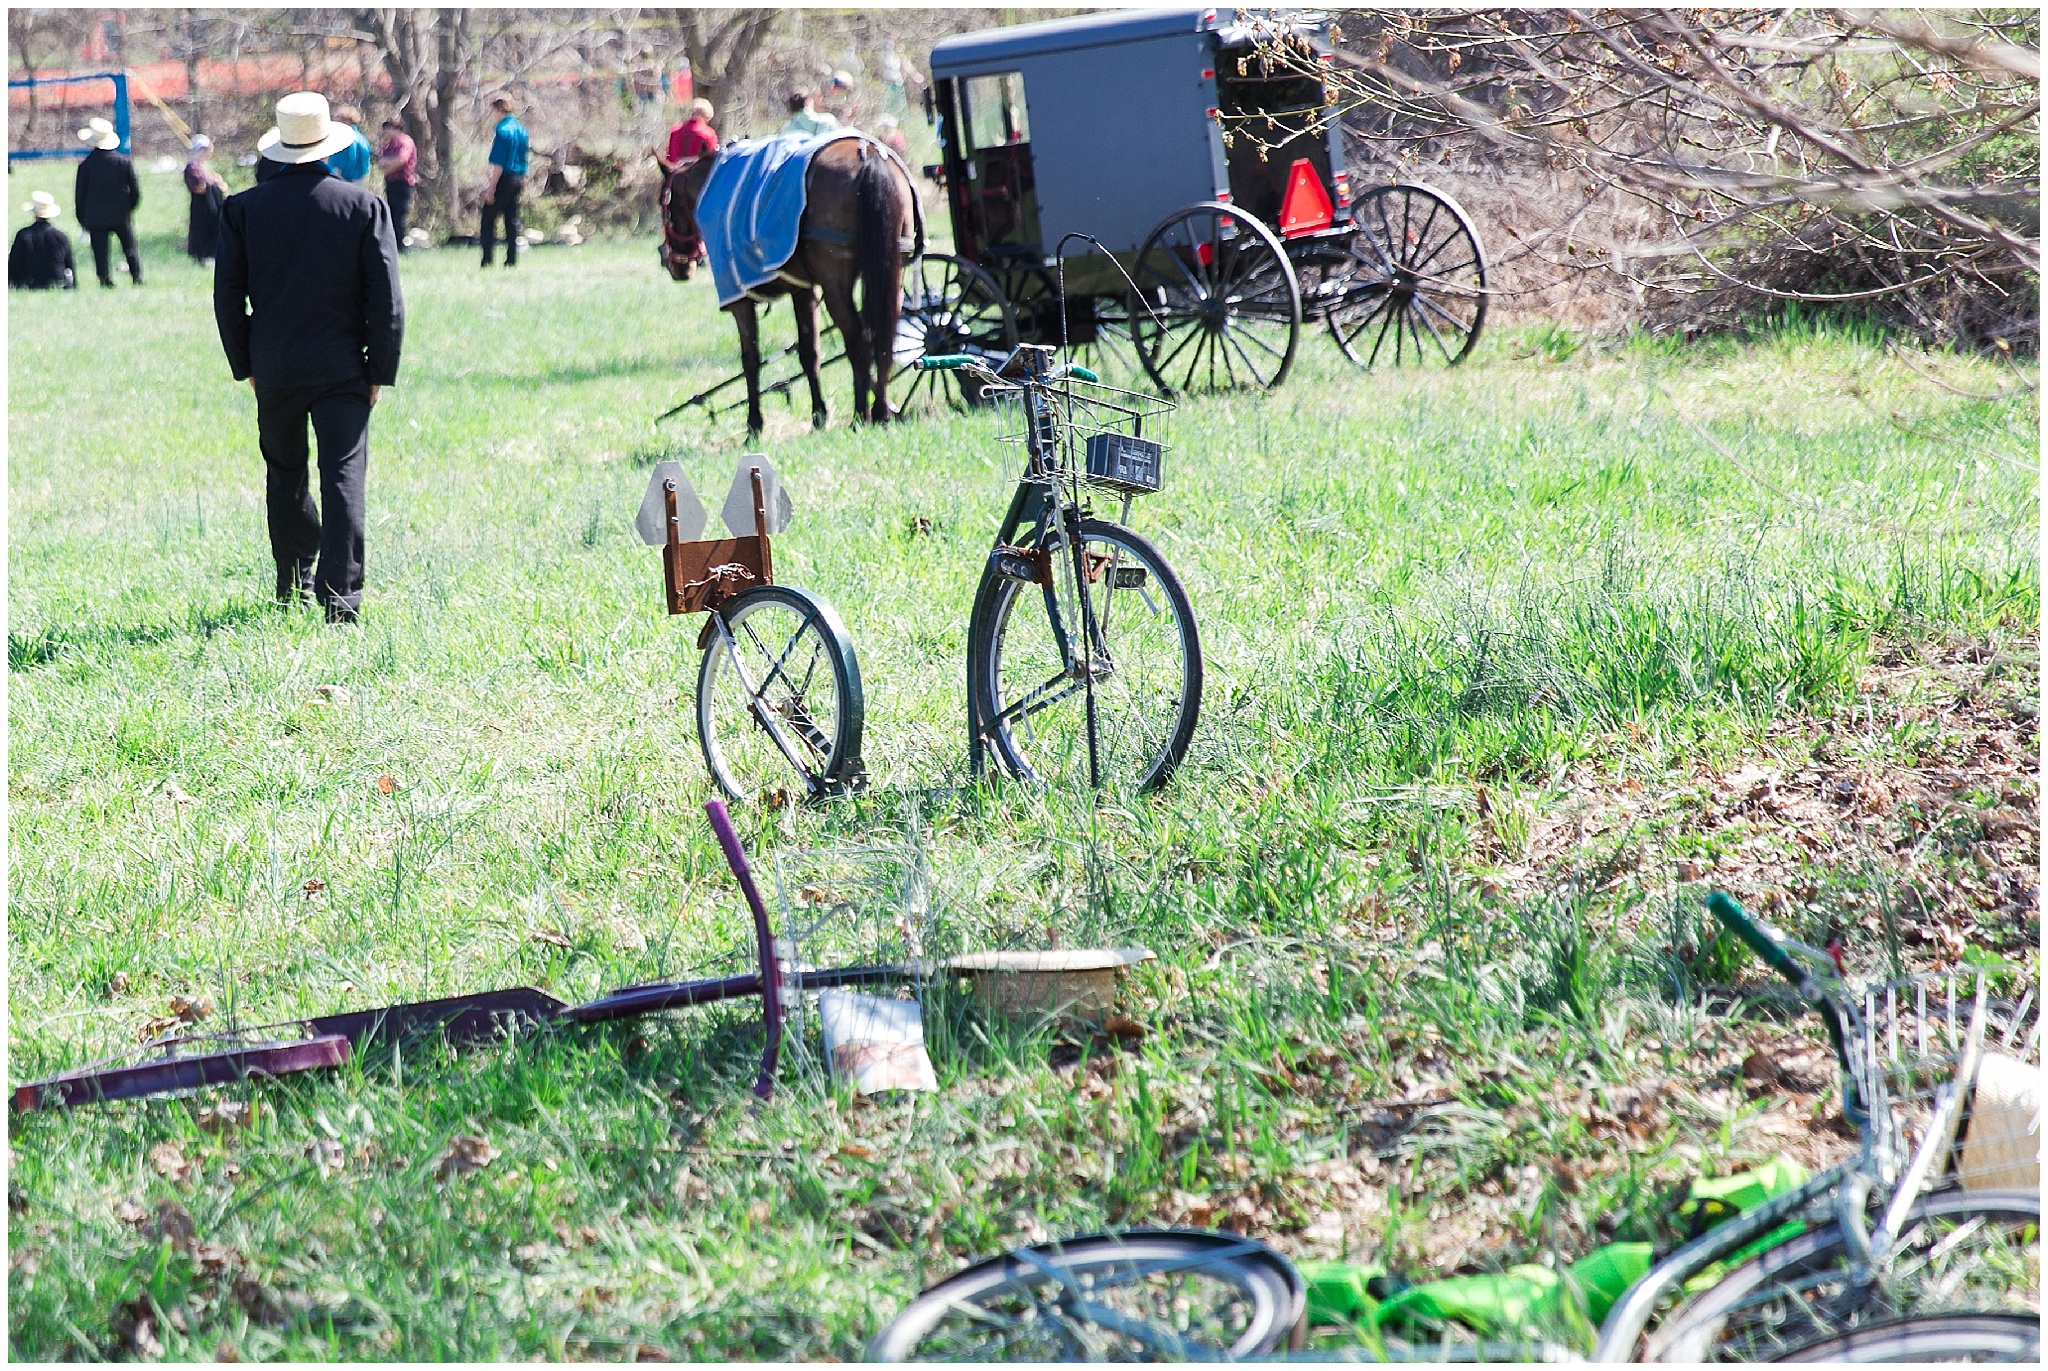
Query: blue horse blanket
[(752, 205)]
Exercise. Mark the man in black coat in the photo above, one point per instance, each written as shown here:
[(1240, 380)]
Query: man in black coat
[(305, 292), (41, 256), (106, 196)]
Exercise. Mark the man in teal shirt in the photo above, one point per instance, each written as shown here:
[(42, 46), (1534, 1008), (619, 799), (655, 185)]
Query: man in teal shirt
[(508, 179), (352, 163)]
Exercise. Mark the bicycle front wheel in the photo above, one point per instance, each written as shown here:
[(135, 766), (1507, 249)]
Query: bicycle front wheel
[(1029, 665), (1958, 1253), (1158, 1295), (779, 706)]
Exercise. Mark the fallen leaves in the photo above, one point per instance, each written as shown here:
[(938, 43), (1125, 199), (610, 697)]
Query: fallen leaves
[(387, 785), (327, 1155), (183, 1010), (466, 1153), (313, 886), (170, 1223), (170, 1162), (334, 695), (134, 1325)]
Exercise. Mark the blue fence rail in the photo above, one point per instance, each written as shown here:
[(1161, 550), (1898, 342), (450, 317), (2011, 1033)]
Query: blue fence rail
[(120, 80)]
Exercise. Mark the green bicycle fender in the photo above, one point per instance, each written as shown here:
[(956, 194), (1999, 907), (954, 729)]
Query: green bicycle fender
[(1605, 1274), (1337, 1291), (1518, 1302), (1745, 1190)]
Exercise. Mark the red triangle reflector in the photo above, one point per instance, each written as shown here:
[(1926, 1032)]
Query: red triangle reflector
[(1306, 206)]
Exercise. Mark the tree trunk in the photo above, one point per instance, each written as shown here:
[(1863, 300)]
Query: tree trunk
[(192, 37), (451, 43), (21, 25), (719, 53)]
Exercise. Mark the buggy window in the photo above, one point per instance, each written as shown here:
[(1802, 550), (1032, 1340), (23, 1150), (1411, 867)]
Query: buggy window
[(1263, 92), (996, 116)]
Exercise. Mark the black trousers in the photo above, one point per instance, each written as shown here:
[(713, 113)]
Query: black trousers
[(399, 195), (333, 531), (505, 203), (102, 259)]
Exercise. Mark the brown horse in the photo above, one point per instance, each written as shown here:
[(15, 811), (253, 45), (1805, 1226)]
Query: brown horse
[(860, 224)]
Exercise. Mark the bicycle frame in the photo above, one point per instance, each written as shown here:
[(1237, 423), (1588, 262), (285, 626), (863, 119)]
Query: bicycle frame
[(1040, 505), (1815, 978)]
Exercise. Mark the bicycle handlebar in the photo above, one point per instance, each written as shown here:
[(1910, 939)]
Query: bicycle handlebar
[(1767, 942), (956, 361)]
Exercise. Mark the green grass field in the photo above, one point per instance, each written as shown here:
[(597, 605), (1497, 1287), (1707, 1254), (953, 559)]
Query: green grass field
[(1504, 664)]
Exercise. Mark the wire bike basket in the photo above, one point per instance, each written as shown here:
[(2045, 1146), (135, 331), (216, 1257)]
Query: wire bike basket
[(1090, 431)]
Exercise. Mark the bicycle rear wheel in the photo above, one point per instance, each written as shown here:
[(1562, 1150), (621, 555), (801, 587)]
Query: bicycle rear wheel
[(779, 704), (1148, 675), (1936, 1338), (1143, 1295), (1958, 1253)]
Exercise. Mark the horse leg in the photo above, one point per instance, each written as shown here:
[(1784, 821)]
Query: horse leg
[(749, 324), (806, 306), (839, 304)]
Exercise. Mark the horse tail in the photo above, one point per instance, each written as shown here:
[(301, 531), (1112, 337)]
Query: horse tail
[(880, 219)]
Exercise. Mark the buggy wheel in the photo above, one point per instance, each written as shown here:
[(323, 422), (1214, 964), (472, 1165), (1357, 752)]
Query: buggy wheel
[(1148, 673), (779, 705), (1411, 290), (1133, 1296), (1095, 328), (1958, 1253), (1217, 305), (950, 305)]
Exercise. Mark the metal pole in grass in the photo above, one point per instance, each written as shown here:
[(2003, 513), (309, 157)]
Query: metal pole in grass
[(764, 938)]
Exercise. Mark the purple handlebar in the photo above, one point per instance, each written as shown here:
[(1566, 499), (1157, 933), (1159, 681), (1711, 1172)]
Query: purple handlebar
[(764, 937)]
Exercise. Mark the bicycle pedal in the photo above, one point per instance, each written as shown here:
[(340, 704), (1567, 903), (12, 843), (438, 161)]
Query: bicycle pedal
[(1128, 578), (1032, 566)]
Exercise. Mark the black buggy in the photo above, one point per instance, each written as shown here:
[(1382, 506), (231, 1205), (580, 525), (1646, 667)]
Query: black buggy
[(1211, 174)]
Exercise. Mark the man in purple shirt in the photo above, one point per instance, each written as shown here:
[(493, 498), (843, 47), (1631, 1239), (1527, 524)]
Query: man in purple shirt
[(399, 160)]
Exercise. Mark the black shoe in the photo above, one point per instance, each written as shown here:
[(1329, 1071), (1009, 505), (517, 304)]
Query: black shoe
[(342, 614)]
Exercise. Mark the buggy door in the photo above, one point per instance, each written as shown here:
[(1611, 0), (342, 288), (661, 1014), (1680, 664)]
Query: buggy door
[(995, 196), (1288, 128)]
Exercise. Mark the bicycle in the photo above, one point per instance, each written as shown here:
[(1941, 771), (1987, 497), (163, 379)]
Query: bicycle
[(1911, 1249), (1111, 675), (778, 688)]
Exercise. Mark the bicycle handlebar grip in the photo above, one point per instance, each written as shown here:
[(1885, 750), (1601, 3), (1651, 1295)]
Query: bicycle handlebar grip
[(1084, 374), (1761, 938), (948, 361)]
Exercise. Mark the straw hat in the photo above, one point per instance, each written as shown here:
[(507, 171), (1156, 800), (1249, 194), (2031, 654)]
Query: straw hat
[(100, 134), (43, 205), (304, 132)]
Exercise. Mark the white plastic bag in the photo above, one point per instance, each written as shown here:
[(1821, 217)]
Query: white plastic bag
[(877, 1043)]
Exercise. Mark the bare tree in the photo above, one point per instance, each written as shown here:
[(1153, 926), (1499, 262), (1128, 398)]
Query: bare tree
[(1885, 161), (721, 46)]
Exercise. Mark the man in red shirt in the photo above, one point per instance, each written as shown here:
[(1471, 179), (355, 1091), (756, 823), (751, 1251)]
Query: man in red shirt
[(692, 138), (399, 160), (682, 247)]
